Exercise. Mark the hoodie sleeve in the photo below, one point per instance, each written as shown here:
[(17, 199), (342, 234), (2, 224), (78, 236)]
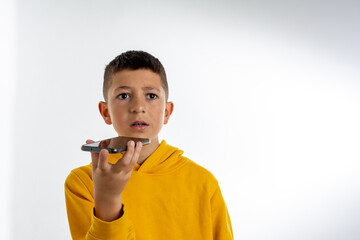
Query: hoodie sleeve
[(118, 229), (80, 210), (222, 229)]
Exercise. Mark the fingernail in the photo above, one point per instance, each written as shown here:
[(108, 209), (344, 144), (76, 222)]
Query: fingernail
[(103, 153), (132, 143)]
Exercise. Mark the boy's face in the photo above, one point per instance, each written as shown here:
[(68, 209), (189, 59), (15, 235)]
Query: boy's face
[(136, 105)]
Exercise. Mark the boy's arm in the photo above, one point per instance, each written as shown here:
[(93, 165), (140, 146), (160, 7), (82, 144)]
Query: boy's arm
[(80, 211), (79, 203), (222, 229), (111, 179), (108, 220)]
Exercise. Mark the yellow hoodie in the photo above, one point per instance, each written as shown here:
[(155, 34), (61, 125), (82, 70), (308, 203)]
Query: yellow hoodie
[(167, 197)]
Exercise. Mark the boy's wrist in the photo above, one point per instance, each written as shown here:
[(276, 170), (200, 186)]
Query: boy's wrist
[(108, 210)]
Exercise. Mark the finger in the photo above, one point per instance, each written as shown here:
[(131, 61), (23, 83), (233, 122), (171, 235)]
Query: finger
[(129, 152), (103, 160), (135, 156), (126, 159), (95, 159), (94, 155)]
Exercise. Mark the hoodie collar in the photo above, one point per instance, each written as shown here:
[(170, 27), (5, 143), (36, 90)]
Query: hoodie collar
[(164, 159)]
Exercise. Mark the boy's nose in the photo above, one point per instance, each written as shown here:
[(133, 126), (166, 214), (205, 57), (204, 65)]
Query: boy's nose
[(137, 106)]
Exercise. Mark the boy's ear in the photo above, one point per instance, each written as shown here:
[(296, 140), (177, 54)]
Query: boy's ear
[(104, 111), (168, 111)]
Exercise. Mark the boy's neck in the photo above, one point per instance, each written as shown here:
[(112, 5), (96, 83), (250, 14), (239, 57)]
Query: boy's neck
[(147, 150)]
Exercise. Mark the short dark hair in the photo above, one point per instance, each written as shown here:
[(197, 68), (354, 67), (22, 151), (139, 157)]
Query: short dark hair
[(133, 60)]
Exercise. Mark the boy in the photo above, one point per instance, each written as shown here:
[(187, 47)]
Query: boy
[(150, 192)]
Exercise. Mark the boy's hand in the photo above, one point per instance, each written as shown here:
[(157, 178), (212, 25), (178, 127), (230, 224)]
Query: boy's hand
[(110, 180)]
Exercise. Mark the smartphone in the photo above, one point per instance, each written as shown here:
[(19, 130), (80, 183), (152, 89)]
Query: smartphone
[(113, 145)]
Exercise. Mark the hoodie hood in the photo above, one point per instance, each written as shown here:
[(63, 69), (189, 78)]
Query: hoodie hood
[(165, 159)]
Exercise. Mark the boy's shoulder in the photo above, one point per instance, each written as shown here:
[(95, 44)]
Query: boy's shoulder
[(83, 171), (81, 176), (194, 168)]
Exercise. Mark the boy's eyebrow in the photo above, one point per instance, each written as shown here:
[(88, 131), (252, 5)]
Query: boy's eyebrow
[(150, 88), (122, 87), (144, 88)]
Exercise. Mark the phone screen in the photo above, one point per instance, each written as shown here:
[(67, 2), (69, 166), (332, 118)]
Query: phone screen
[(113, 145)]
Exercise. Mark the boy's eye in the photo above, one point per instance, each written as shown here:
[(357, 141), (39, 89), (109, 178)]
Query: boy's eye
[(123, 96), (151, 96)]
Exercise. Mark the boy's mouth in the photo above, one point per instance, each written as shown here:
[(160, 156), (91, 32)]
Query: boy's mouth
[(140, 125)]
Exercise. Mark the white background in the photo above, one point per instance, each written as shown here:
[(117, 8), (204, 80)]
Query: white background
[(266, 93)]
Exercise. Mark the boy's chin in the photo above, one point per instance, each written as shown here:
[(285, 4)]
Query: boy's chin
[(135, 135)]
